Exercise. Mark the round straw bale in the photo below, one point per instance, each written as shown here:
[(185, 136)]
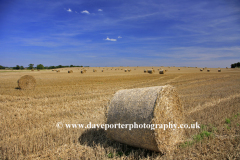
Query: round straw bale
[(125, 70), (129, 70), (226, 67), (178, 68), (32, 70), (144, 71), (70, 71), (201, 70), (208, 70), (57, 70), (219, 70), (27, 82), (102, 70), (150, 106), (150, 71), (161, 71), (94, 70), (38, 70), (166, 70)]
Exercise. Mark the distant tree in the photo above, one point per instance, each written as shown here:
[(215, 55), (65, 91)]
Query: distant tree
[(21, 67), (17, 67), (1, 67), (71, 65), (30, 66), (40, 66)]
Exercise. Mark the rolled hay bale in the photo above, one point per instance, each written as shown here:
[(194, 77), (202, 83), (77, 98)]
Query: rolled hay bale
[(102, 70), (129, 70), (161, 71), (57, 70), (32, 69), (226, 67), (201, 69), (26, 82), (179, 69), (145, 71), (70, 71), (219, 70), (38, 70), (208, 70), (94, 70), (151, 71), (125, 70), (150, 106)]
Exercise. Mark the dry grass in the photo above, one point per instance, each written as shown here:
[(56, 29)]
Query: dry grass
[(28, 121)]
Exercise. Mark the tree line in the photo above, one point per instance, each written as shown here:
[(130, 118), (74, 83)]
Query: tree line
[(39, 66), (235, 65)]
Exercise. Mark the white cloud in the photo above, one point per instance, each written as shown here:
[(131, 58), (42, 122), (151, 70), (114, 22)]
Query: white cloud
[(108, 39), (85, 12), (119, 37), (69, 10), (99, 10)]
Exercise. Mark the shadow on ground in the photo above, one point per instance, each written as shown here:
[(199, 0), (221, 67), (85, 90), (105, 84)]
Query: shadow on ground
[(93, 137)]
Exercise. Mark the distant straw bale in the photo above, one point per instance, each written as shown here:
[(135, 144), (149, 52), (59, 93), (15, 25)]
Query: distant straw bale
[(125, 70), (151, 71), (26, 82), (129, 70), (208, 70), (150, 106), (161, 71), (38, 70), (70, 71), (219, 70), (32, 70), (94, 70), (57, 70), (166, 70), (102, 70), (201, 69), (145, 71), (178, 68), (226, 67)]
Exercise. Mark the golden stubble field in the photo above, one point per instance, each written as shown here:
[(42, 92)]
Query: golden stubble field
[(28, 118)]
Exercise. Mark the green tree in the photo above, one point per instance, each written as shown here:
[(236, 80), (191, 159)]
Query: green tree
[(17, 67), (40, 66), (21, 67), (30, 66)]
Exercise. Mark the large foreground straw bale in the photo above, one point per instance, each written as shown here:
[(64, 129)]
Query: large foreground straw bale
[(27, 82), (152, 105)]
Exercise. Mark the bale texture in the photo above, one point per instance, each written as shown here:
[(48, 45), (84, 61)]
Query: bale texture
[(151, 105), (162, 72), (27, 82)]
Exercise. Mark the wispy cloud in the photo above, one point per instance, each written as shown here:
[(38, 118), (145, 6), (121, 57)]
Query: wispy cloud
[(85, 12), (69, 10), (119, 37), (108, 39), (99, 10)]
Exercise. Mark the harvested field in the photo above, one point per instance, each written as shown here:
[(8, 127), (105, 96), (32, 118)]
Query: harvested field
[(31, 123)]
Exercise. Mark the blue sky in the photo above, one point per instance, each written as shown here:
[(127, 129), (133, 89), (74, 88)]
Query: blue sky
[(120, 32)]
